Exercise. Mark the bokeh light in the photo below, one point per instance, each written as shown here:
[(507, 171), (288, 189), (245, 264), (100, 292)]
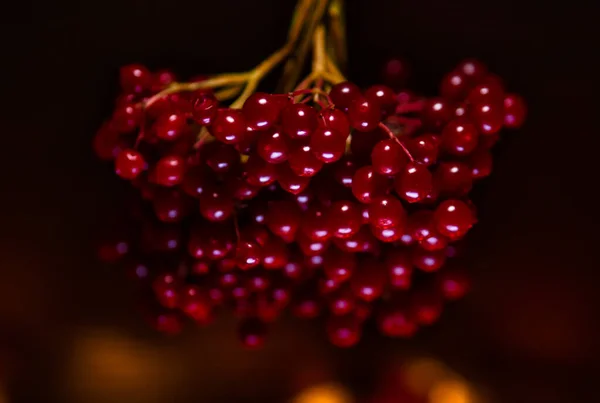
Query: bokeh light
[(324, 393)]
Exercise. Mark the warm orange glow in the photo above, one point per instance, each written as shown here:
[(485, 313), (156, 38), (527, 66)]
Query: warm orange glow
[(420, 375), (3, 397), (324, 393), (450, 391)]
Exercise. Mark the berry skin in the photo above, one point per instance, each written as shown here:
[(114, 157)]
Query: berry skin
[(221, 158), (488, 116), (368, 185), (252, 333), (299, 120), (453, 283), (459, 137), (162, 79), (290, 182), (364, 115), (247, 255), (473, 70), (171, 206), (488, 91), (135, 78), (338, 266), (283, 219), (436, 113), (229, 126), (396, 322), (515, 111), (386, 235), (399, 267), (261, 111), (455, 86), (169, 170), (343, 94), (126, 118), (433, 242), (384, 96), (166, 288), (194, 303), (170, 127), (259, 172), (335, 119), (343, 331), (453, 219), (344, 171), (216, 205), (369, 281), (480, 163), (273, 146), (327, 145), (204, 108), (387, 212), (303, 161), (414, 183), (341, 301), (424, 148), (344, 219), (129, 164), (275, 254), (426, 307), (314, 224), (388, 157), (454, 178)]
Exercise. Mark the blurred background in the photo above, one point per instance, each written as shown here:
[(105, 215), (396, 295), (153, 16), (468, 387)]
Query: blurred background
[(69, 327)]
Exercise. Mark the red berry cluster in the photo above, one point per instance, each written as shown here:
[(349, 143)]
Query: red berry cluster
[(344, 206)]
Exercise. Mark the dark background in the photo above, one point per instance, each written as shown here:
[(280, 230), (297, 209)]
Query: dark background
[(68, 331)]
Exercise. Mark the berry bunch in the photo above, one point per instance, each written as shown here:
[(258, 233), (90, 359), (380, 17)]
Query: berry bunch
[(325, 199)]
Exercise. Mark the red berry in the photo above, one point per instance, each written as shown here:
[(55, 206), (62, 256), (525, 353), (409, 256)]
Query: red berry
[(283, 219), (459, 137), (196, 181), (387, 212), (433, 242), (194, 302), (453, 283), (426, 307), (169, 170), (343, 331), (436, 113), (489, 91), (367, 184), (312, 247), (420, 225), (259, 172), (275, 254), (395, 72), (369, 281), (488, 116), (204, 108), (135, 78), (384, 96), (343, 94), (338, 266), (247, 255), (289, 181), (361, 242), (327, 145), (341, 301), (216, 205), (399, 267), (515, 111), (480, 163), (388, 157), (396, 322), (127, 118), (229, 126), (414, 183), (454, 86), (220, 157), (129, 164), (473, 70), (303, 161), (454, 178), (424, 148), (166, 288), (453, 219), (162, 79), (107, 143), (364, 115), (171, 206), (335, 119), (299, 120), (315, 225), (273, 146), (252, 333), (261, 111), (344, 219), (387, 234), (170, 127)]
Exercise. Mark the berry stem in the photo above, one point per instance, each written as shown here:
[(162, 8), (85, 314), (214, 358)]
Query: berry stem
[(397, 140), (228, 93), (334, 73), (337, 32)]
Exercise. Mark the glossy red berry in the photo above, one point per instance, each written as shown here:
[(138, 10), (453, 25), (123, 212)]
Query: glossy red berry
[(216, 205), (344, 219), (387, 235), (259, 172), (387, 212), (515, 111), (335, 119), (283, 219), (196, 181), (364, 115), (273, 146), (459, 137), (368, 184), (247, 255), (314, 224), (436, 113), (361, 242), (455, 86), (275, 253), (170, 126), (453, 219), (299, 120), (290, 182), (414, 182), (424, 148), (488, 116), (169, 170), (454, 178), (261, 111), (221, 158), (204, 108), (433, 241), (327, 145), (126, 118), (384, 96), (388, 157), (229, 126), (343, 94), (341, 301), (162, 79), (129, 164), (488, 91), (171, 206), (369, 281), (135, 78), (399, 267), (338, 266), (480, 163), (473, 70), (303, 161)]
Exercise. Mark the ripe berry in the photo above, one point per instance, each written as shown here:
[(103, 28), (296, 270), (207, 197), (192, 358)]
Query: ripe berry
[(204, 108), (299, 120), (344, 219), (453, 219), (135, 78), (387, 212), (399, 267), (196, 181), (384, 96), (171, 206), (480, 163), (275, 254), (436, 113), (424, 148), (387, 234), (343, 94), (273, 146), (220, 157), (261, 111), (338, 266), (283, 219), (166, 288), (453, 283), (473, 70), (170, 126), (459, 137), (129, 164), (259, 172), (312, 248), (361, 242), (303, 162), (289, 181), (488, 116), (228, 126), (368, 185), (216, 205), (335, 119), (488, 91), (341, 301), (252, 333), (327, 145), (126, 118), (247, 255), (194, 302), (369, 281), (396, 321), (343, 331), (314, 224), (388, 157), (433, 241), (455, 86), (414, 183), (169, 170), (454, 178), (515, 111), (364, 115), (162, 79)]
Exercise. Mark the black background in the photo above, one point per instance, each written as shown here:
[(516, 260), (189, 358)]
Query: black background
[(527, 332)]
